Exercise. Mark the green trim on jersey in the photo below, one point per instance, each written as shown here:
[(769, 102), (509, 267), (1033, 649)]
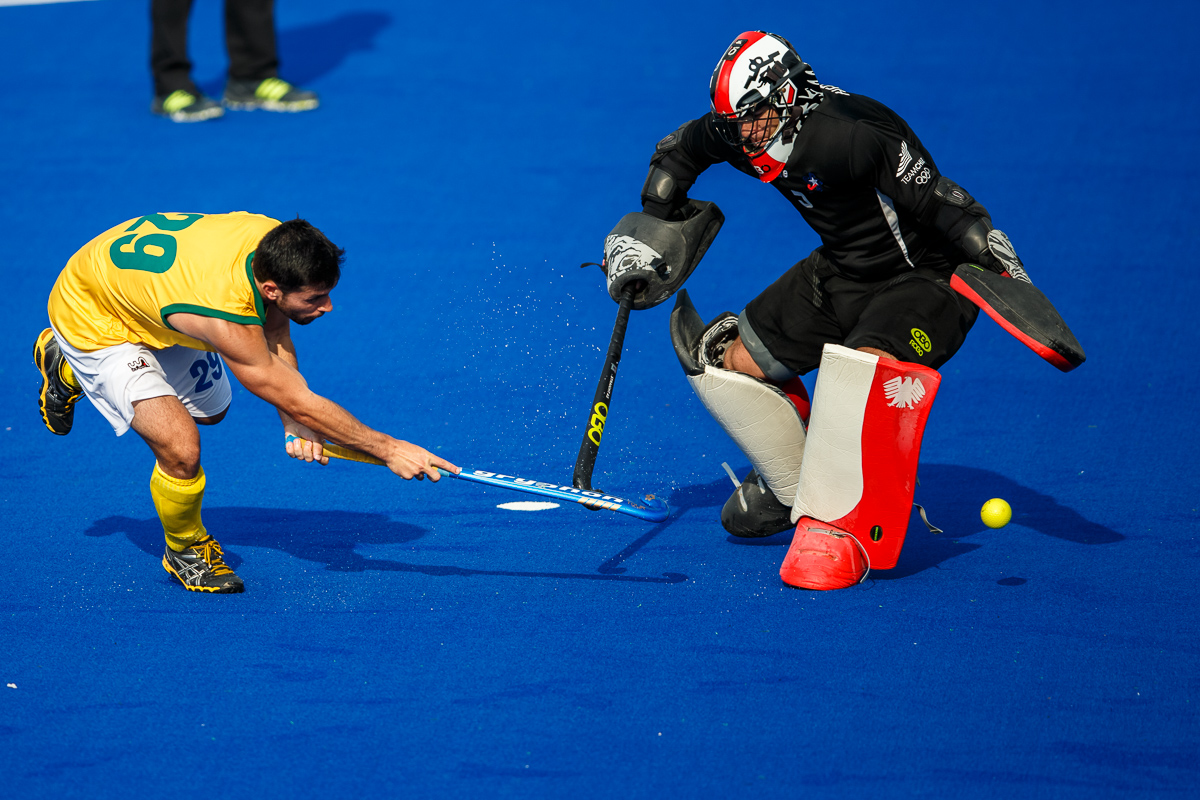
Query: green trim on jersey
[(258, 298), (202, 311)]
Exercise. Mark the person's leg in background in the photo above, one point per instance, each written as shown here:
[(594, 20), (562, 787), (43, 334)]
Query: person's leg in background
[(175, 95), (254, 80)]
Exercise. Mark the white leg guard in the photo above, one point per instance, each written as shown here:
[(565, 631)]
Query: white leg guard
[(864, 440), (761, 419)]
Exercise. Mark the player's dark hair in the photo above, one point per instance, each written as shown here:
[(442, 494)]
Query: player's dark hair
[(295, 254)]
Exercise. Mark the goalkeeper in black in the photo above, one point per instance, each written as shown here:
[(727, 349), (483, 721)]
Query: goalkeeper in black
[(892, 231)]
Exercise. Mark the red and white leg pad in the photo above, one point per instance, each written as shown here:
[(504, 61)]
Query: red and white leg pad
[(860, 464)]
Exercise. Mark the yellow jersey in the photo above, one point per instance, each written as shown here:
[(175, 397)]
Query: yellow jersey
[(122, 285)]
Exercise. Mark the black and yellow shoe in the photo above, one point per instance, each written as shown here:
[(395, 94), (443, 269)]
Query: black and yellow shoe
[(184, 106), (60, 391), (271, 94), (200, 568)]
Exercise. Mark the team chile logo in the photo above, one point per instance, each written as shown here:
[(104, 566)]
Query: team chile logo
[(812, 183)]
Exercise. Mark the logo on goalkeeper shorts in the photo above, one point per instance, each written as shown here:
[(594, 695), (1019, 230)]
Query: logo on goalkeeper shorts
[(141, 363), (904, 392), (920, 342)]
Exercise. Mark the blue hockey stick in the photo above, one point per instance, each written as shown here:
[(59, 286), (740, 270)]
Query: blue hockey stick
[(650, 509)]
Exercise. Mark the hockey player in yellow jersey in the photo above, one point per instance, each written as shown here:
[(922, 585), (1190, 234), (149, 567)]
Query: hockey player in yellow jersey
[(146, 318)]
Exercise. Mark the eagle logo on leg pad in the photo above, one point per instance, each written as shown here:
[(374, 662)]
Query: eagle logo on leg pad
[(903, 392)]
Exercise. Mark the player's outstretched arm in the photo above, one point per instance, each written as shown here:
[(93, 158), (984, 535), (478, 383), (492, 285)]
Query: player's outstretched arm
[(245, 350)]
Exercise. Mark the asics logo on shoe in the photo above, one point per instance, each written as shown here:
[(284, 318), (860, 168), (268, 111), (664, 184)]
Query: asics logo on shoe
[(201, 568), (190, 573), (903, 392)]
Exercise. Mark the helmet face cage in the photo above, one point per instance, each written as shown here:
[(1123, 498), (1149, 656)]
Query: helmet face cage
[(755, 126), (753, 90)]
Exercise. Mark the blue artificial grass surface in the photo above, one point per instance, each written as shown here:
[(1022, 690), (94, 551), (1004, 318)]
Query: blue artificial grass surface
[(411, 639)]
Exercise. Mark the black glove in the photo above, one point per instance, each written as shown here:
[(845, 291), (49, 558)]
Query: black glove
[(656, 256)]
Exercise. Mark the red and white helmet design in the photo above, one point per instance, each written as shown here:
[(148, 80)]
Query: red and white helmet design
[(761, 71)]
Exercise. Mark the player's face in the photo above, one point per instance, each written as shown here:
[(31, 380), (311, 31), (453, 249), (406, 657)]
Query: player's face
[(305, 304), (759, 128)]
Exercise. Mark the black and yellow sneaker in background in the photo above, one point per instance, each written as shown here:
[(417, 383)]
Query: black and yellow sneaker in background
[(60, 391), (201, 568), (184, 106), (271, 94)]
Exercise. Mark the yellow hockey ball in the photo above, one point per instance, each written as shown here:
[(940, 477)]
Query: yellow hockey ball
[(996, 513)]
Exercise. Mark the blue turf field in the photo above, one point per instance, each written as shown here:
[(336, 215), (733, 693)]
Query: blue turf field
[(414, 640)]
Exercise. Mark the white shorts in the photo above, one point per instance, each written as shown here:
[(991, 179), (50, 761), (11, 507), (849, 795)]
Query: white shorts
[(114, 378)]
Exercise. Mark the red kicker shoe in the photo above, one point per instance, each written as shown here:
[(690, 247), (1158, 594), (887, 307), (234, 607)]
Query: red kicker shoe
[(823, 557)]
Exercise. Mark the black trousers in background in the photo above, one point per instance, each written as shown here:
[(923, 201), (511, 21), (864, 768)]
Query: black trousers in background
[(249, 40)]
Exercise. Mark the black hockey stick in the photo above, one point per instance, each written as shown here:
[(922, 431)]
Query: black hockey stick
[(594, 432)]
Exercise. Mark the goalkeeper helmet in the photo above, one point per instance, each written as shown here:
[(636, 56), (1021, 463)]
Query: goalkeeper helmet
[(761, 91)]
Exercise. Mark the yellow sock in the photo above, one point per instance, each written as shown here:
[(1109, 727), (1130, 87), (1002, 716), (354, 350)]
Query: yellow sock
[(178, 505)]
